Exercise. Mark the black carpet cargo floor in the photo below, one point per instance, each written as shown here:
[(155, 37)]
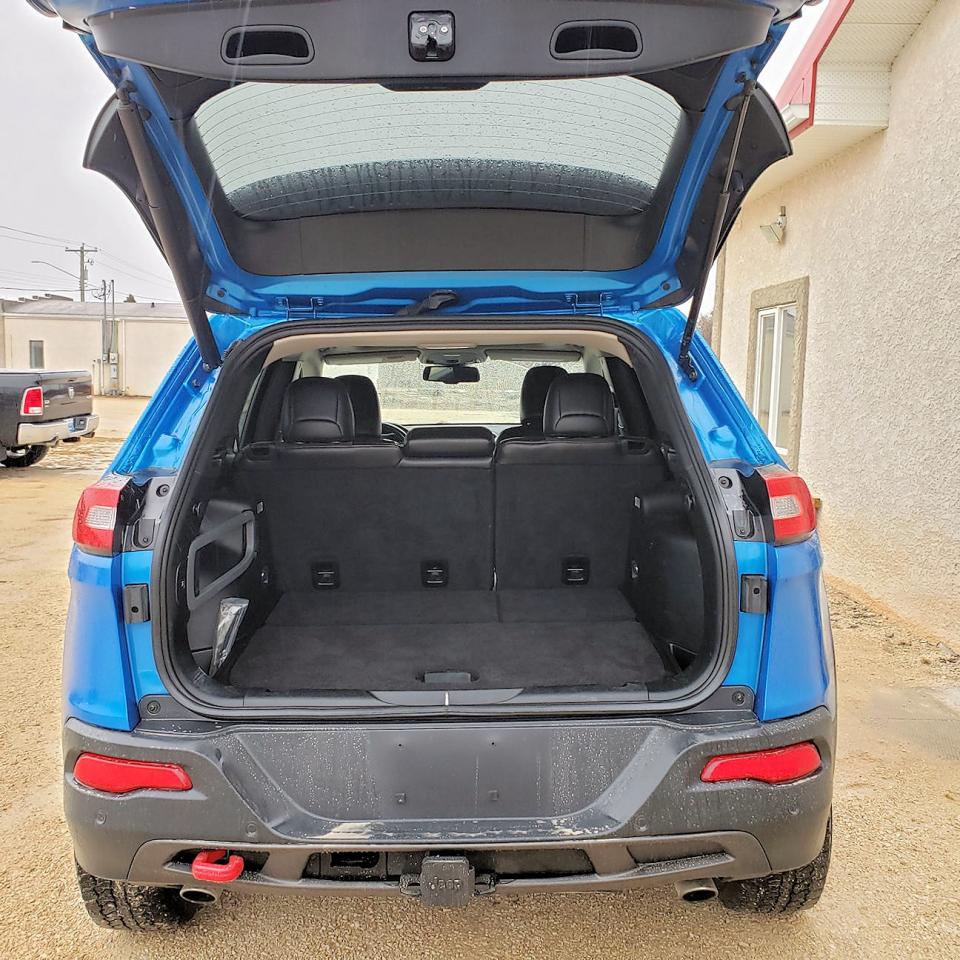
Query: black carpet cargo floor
[(449, 639)]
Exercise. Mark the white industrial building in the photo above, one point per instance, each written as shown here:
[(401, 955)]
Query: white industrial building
[(128, 355)]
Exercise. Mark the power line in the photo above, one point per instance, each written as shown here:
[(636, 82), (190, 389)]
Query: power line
[(43, 238), (27, 275), (112, 269), (147, 273), (35, 243), (44, 289), (29, 233)]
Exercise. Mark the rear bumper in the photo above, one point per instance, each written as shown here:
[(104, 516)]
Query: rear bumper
[(50, 430), (623, 797)]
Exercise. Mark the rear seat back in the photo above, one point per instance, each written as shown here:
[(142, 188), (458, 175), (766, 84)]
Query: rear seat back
[(445, 484), (359, 516), (564, 504), (450, 505)]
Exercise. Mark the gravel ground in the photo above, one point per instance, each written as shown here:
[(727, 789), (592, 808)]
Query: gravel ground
[(892, 889)]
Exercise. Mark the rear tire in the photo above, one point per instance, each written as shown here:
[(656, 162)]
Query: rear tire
[(781, 893), (117, 905), (31, 455)]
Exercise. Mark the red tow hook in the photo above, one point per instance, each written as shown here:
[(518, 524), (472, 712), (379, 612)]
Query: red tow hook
[(206, 868)]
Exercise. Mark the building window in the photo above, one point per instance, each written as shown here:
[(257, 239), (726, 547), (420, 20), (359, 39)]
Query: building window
[(36, 353), (773, 399), (776, 355)]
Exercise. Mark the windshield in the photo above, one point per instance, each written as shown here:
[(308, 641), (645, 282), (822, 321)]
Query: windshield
[(407, 399), (596, 145)]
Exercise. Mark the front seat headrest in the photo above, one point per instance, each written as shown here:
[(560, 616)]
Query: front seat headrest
[(533, 394), (316, 410), (365, 403), (579, 405)]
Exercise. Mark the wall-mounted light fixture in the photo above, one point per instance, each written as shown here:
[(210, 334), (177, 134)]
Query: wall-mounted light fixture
[(776, 231)]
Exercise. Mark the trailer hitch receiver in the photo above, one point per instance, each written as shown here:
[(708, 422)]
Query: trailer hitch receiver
[(443, 882)]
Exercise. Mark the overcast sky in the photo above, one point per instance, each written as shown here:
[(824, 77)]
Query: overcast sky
[(50, 93)]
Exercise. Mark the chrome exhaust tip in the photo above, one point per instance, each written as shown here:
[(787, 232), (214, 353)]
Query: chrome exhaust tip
[(696, 891), (199, 895)]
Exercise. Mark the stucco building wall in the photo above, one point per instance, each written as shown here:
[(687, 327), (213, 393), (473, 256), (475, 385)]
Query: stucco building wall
[(876, 230), (150, 349), (147, 346)]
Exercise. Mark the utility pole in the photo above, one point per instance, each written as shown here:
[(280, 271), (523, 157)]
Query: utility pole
[(109, 341), (83, 250)]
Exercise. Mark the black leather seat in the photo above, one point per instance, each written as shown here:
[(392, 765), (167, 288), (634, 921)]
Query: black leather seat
[(566, 500), (317, 410), (533, 396), (318, 429), (366, 407)]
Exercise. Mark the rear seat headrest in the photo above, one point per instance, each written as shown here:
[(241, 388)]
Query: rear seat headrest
[(448, 443), (533, 394), (579, 405), (316, 410), (365, 403)]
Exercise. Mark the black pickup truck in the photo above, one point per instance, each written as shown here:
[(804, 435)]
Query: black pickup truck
[(39, 408)]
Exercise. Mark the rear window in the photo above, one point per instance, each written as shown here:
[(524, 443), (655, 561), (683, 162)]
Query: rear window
[(406, 398), (598, 145)]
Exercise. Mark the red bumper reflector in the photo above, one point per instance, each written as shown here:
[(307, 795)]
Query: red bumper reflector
[(782, 765), (206, 869), (114, 775)]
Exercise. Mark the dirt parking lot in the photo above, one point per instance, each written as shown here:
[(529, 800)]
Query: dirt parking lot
[(892, 892)]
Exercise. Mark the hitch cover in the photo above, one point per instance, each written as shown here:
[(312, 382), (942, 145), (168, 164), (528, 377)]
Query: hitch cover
[(446, 882)]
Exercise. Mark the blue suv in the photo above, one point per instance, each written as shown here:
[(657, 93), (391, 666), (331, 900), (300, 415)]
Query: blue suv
[(446, 560)]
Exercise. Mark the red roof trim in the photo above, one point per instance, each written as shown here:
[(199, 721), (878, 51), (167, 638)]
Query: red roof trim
[(800, 85)]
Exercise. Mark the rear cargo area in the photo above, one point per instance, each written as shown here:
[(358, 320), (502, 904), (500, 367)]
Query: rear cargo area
[(458, 639), (368, 559)]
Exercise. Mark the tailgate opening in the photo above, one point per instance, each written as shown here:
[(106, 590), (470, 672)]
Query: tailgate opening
[(444, 555)]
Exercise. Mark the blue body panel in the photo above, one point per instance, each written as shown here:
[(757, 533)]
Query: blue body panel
[(796, 670), (97, 683)]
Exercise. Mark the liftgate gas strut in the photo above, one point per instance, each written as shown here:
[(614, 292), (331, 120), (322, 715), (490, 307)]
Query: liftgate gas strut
[(723, 202)]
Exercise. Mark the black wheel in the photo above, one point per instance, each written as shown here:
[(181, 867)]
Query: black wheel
[(125, 906), (28, 458), (785, 892)]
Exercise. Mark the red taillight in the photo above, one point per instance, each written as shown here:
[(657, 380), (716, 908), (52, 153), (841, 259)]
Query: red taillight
[(791, 506), (95, 521), (114, 775), (32, 403), (782, 765)]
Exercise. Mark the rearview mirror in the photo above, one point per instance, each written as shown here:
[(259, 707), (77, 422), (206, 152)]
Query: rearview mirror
[(458, 374)]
